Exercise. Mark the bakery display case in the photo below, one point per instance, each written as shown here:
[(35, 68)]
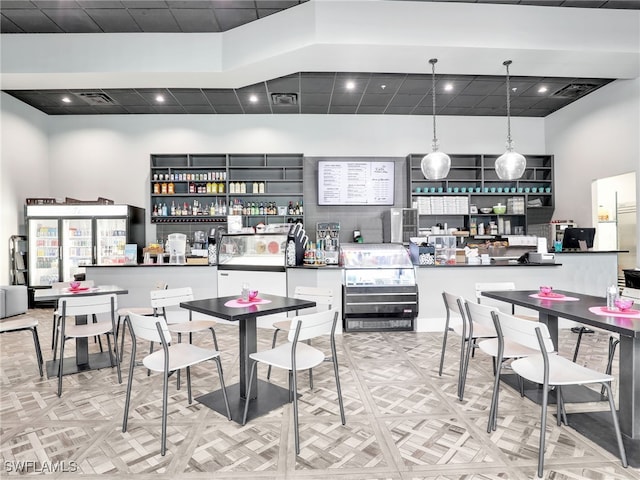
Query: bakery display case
[(379, 287), (262, 251)]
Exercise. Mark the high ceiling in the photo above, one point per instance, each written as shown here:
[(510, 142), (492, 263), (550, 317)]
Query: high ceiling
[(299, 93)]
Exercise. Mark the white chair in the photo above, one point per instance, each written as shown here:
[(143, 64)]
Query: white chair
[(296, 355), (324, 301), (22, 323), (171, 358), (122, 316), (87, 305), (551, 370), (503, 348), (454, 322), (180, 321), (57, 313)]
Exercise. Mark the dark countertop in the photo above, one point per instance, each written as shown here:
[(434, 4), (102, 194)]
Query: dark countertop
[(591, 251)]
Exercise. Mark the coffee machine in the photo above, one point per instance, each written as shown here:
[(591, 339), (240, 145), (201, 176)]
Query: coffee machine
[(212, 243)]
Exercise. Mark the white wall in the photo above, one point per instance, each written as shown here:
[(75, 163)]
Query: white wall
[(595, 137), (24, 168)]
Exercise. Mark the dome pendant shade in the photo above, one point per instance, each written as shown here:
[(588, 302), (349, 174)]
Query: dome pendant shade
[(510, 165), (435, 165)]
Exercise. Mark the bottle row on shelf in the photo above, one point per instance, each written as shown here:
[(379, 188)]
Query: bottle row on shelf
[(169, 188), (244, 187), (189, 176), (220, 208)]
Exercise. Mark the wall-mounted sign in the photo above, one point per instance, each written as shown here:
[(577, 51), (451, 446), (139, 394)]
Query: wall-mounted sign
[(343, 182)]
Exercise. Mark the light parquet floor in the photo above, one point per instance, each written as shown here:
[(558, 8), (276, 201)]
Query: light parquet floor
[(404, 422)]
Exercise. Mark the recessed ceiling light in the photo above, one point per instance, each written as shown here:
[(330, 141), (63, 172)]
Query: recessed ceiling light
[(159, 98), (350, 85), (448, 87), (253, 98), (542, 89), (66, 99)]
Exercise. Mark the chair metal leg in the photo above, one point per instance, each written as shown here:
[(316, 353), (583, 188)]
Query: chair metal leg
[(273, 345), (294, 387), (178, 372), (493, 410), (224, 388), (165, 401), (444, 346), (36, 341), (246, 401), (60, 362), (334, 359), (543, 428), (117, 357), (127, 401), (616, 425), (125, 321), (575, 352), (54, 332), (613, 343), (465, 367), (189, 385)]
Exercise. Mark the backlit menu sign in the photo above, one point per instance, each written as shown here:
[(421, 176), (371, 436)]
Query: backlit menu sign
[(355, 183)]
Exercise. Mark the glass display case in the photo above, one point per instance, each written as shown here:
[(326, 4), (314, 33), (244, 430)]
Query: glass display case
[(379, 287), (260, 251)]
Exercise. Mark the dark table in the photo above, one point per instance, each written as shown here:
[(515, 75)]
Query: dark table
[(83, 360), (268, 396), (590, 424)]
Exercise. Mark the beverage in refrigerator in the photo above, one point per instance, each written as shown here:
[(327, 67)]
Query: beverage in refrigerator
[(63, 238)]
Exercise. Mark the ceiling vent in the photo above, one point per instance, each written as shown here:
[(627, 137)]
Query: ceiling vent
[(284, 98), (96, 98), (574, 90)]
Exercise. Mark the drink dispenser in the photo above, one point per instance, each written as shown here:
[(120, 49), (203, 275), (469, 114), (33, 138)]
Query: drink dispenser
[(177, 248)]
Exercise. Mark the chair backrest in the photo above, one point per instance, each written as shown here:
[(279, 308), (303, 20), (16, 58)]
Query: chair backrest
[(145, 328), (89, 304), (493, 286), (451, 303), (631, 293), (170, 297), (480, 314), (313, 325), (523, 331), (322, 296)]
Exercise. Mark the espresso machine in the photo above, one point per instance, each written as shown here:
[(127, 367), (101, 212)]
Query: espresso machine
[(212, 243), (328, 235)]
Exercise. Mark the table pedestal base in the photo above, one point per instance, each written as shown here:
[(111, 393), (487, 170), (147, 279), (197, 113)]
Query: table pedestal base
[(269, 398), (597, 427), (96, 361)]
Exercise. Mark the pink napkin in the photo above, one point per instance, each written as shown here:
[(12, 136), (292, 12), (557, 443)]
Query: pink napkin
[(554, 296), (240, 303), (631, 313)]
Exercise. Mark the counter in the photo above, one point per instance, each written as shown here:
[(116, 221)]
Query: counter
[(585, 272)]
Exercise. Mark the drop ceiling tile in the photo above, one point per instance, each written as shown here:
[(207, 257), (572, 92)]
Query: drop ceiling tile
[(7, 26), (19, 4), (54, 4), (359, 80), (55, 111), (189, 96), (282, 4), (169, 109), (449, 110), (464, 101), (405, 100), (394, 110), (228, 109), (140, 109), (536, 112), (110, 109), (345, 99), (150, 96), (489, 112), (543, 3), (126, 97), (415, 84), (32, 21), (80, 110), (154, 20), (371, 109), (221, 97), (342, 109), (257, 109), (73, 20), (265, 12), (196, 20), (317, 82), (89, 4), (376, 100), (113, 20), (198, 109), (144, 3), (493, 101), (624, 4), (313, 109), (316, 99), (583, 3), (285, 109), (384, 83), (288, 84), (177, 4), (482, 87)]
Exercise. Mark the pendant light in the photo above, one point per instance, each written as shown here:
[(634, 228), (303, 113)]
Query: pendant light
[(510, 165), (435, 165)]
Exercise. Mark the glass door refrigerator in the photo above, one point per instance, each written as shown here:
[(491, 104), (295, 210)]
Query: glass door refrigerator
[(63, 238)]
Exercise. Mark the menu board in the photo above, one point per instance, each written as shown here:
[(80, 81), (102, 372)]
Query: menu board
[(355, 182)]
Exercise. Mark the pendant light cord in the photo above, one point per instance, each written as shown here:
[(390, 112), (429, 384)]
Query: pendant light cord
[(506, 64), (433, 95)]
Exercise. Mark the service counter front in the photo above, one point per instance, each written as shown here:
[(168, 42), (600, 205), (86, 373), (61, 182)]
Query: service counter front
[(585, 272)]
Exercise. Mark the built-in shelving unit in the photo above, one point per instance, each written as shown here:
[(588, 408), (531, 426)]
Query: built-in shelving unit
[(195, 188), (472, 184)]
